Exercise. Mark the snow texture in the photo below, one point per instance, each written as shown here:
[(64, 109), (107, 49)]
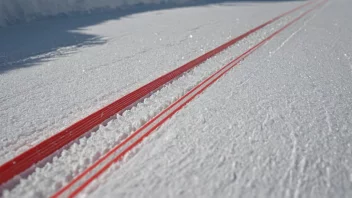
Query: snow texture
[(278, 125), (62, 71), (112, 133), (12, 11)]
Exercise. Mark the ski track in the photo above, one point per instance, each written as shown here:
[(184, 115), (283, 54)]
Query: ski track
[(295, 32)]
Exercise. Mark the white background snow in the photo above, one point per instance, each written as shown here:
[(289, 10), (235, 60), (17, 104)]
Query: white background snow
[(278, 125)]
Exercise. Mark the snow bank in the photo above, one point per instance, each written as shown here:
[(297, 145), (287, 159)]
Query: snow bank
[(12, 11)]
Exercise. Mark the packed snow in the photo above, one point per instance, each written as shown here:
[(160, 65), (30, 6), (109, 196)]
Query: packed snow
[(278, 125)]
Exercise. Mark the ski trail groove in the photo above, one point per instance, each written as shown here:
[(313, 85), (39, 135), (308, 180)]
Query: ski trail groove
[(294, 33)]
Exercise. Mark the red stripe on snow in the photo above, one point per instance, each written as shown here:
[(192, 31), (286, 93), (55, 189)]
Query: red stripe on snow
[(46, 148), (181, 102)]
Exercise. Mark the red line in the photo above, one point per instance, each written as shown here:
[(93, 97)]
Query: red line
[(144, 126), (44, 149), (224, 70)]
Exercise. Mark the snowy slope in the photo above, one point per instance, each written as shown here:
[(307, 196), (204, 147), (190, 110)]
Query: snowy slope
[(279, 125), (65, 166), (51, 89)]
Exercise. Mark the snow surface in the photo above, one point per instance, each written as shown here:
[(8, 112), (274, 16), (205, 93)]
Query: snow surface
[(278, 125), (67, 166), (12, 11), (62, 71)]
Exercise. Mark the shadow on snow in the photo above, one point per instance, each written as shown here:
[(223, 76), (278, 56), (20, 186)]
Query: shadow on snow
[(23, 45)]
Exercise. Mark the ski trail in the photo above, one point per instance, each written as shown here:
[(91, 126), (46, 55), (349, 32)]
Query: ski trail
[(298, 30)]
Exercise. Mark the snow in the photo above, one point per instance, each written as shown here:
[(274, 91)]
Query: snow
[(12, 11), (57, 173), (62, 71), (278, 125)]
